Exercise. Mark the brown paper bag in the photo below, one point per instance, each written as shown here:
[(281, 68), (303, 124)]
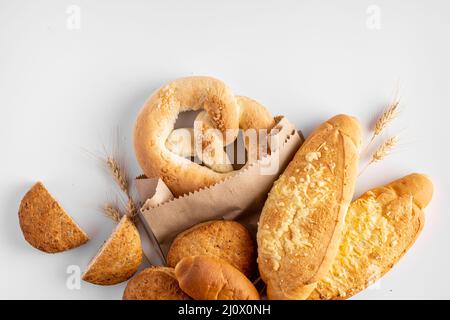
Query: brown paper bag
[(239, 197)]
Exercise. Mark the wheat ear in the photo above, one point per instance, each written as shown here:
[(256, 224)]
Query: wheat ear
[(388, 115), (131, 209), (382, 151), (112, 212), (121, 178), (118, 173)]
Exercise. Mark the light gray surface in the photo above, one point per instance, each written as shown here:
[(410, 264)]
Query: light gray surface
[(64, 92)]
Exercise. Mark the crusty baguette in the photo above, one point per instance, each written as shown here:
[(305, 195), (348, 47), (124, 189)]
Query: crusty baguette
[(45, 224), (301, 222), (380, 227), (208, 278), (155, 283), (224, 239), (119, 257)]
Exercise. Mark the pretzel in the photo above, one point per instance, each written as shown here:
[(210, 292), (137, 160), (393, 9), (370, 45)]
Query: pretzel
[(161, 150), (210, 146)]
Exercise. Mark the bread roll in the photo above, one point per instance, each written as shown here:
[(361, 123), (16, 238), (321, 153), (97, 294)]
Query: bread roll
[(45, 224), (300, 225), (380, 227), (208, 278), (155, 283), (224, 239)]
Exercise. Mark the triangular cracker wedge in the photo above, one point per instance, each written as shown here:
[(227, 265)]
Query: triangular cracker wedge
[(119, 257), (45, 224), (380, 227)]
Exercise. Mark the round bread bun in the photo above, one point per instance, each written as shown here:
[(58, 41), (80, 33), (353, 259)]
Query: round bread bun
[(209, 278), (119, 257), (224, 239), (45, 224), (155, 283)]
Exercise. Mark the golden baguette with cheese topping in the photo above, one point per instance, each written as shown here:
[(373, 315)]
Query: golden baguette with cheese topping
[(380, 227), (301, 223)]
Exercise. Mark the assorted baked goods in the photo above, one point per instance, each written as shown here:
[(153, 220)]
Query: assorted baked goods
[(211, 260), (300, 225), (224, 239), (119, 257), (380, 227), (312, 241), (46, 225), (209, 278), (223, 111), (155, 283)]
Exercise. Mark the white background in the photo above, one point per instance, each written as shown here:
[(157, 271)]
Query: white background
[(64, 93)]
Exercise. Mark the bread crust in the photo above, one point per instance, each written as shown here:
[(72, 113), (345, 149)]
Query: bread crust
[(224, 239), (301, 222), (45, 224), (154, 283), (119, 258), (380, 227), (156, 121), (209, 278)]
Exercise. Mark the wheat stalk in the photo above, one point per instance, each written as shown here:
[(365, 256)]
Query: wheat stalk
[(121, 178), (131, 209), (388, 115), (382, 151), (112, 212), (118, 174)]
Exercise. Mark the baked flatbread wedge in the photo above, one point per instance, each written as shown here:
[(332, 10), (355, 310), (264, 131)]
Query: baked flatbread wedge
[(46, 225), (301, 223), (119, 257), (380, 227)]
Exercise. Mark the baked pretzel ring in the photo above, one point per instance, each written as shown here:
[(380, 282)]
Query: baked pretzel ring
[(155, 124), (210, 144)]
